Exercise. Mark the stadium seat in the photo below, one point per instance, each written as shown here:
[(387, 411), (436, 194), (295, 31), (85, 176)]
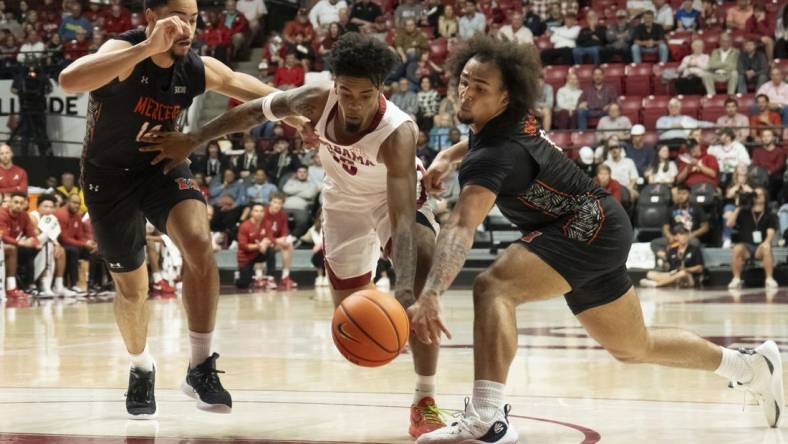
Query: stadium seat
[(562, 139), (661, 88), (746, 101), (584, 74), (679, 44), (712, 107), (555, 75), (638, 80), (614, 76), (782, 64), (654, 194), (690, 105), (584, 138), (631, 107), (711, 39), (650, 219), (543, 42), (439, 50), (654, 107)]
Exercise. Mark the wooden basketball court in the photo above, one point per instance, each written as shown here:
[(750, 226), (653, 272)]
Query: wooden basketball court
[(63, 373)]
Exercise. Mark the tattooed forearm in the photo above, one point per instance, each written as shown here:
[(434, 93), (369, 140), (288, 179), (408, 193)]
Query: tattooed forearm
[(404, 258), (238, 119), (451, 250)]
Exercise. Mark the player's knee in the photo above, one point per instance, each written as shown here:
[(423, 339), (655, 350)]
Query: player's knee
[(630, 354), (486, 289), (196, 242)]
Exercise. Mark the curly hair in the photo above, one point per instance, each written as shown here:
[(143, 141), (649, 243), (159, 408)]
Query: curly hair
[(520, 68), (356, 55), (153, 4)]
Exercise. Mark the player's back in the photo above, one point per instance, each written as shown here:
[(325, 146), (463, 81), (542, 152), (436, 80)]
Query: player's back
[(355, 179), (120, 112)]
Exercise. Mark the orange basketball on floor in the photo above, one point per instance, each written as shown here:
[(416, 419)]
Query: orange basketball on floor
[(370, 328)]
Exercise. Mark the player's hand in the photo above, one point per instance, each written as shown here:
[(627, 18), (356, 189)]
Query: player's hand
[(174, 146), (305, 129), (425, 319), (434, 178), (166, 32)]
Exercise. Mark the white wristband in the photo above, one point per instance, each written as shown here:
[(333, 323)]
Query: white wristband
[(269, 115)]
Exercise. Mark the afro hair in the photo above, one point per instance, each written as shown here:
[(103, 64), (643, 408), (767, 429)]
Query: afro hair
[(356, 55)]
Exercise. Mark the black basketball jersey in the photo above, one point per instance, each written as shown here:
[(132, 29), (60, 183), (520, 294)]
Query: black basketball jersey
[(151, 97), (535, 182)]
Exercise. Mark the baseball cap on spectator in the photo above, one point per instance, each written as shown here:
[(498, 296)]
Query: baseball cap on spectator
[(638, 130), (586, 155)]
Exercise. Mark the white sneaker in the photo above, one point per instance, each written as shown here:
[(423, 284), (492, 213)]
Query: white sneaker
[(735, 283), (65, 293), (767, 381), (46, 293), (648, 283), (383, 284), (771, 283), (471, 429), (726, 244)]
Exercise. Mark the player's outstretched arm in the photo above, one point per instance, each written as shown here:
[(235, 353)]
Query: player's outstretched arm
[(443, 164), (240, 86), (398, 153), (116, 58), (454, 241), (306, 101)]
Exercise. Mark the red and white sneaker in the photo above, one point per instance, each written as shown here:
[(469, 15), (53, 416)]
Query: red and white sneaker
[(266, 283), (165, 287), (287, 284), (16, 293), (424, 417)]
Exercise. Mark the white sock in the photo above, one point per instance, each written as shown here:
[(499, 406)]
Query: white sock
[(142, 361), (156, 276), (487, 398), (10, 283), (58, 283), (734, 367), (285, 273), (425, 388), (200, 346)]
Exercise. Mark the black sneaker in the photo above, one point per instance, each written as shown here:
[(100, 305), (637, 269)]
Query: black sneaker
[(140, 400), (202, 383)]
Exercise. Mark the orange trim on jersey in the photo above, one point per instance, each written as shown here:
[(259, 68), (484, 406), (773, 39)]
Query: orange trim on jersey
[(372, 126), (551, 188)]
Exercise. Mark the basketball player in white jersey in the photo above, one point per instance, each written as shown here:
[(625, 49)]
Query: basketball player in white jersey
[(368, 149)]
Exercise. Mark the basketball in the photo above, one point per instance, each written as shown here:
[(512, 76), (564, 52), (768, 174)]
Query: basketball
[(370, 328)]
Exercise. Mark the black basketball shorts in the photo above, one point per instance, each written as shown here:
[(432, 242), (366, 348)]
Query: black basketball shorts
[(119, 201), (595, 268)]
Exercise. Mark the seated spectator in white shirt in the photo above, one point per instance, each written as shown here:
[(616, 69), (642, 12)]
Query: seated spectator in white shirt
[(564, 39), (777, 91), (663, 14), (566, 100), (301, 193), (734, 119), (613, 124), (662, 169), (622, 169), (729, 154), (675, 125), (472, 22), (325, 12), (516, 32)]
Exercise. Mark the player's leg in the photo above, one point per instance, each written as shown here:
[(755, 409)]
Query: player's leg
[(618, 326)]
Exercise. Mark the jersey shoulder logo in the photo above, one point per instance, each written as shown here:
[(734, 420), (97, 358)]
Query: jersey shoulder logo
[(531, 126), (184, 183)]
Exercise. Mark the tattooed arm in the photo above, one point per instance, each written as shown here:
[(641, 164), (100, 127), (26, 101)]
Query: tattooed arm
[(399, 154), (454, 241), (307, 101)]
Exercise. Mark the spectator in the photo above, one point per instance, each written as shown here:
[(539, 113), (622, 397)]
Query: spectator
[(760, 28), (738, 185), (543, 108), (756, 226), (365, 13), (564, 40), (70, 24), (649, 37), (425, 67), (722, 66), (711, 16), (260, 191), (301, 193), (300, 24), (249, 161), (429, 101), (291, 75), (214, 162), (472, 22), (404, 98), (675, 126), (32, 51), (408, 10), (697, 167), (227, 196), (595, 100), (753, 68), (685, 263), (12, 177), (638, 7), (281, 162), (68, 186), (254, 12), (619, 38), (662, 169), (622, 169), (771, 158), (566, 100), (692, 217), (605, 180), (554, 18), (315, 237), (533, 21), (410, 42), (255, 245), (328, 40), (613, 124), (687, 17), (276, 226), (217, 39), (691, 70), (638, 150), (317, 173), (345, 25), (199, 183), (303, 51), (777, 91), (423, 151), (781, 33), (75, 237), (729, 153), (516, 32), (78, 47), (663, 14), (737, 17), (735, 120), (591, 40), (448, 25), (325, 12), (237, 24), (439, 134), (19, 242), (764, 117)]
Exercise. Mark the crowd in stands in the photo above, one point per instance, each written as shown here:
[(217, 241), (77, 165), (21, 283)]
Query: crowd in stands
[(687, 96)]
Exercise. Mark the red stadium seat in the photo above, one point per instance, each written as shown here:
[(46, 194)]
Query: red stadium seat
[(562, 139), (614, 76), (690, 105), (711, 39), (638, 80), (782, 64), (662, 88), (543, 42), (746, 101), (711, 108), (439, 50), (654, 107), (555, 75), (584, 74), (584, 138), (631, 107), (679, 44)]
